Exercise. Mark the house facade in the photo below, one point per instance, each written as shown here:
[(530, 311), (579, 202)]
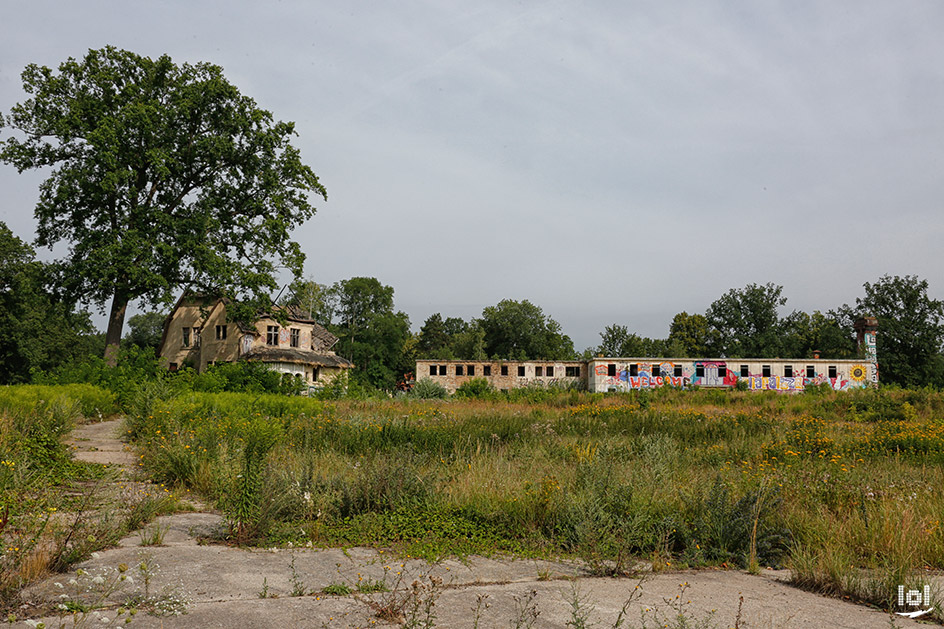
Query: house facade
[(198, 334)]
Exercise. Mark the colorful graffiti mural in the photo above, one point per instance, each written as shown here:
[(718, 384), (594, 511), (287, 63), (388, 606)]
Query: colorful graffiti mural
[(717, 374)]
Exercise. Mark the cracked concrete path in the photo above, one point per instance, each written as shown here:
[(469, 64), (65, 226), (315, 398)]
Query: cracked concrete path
[(99, 442), (247, 588)]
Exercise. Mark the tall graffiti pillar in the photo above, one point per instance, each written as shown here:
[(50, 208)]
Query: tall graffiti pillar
[(866, 331)]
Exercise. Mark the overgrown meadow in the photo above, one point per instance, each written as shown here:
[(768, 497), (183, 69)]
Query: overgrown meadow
[(844, 488), (54, 510)]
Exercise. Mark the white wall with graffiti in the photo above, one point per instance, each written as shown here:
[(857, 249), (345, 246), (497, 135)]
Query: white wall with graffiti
[(626, 374)]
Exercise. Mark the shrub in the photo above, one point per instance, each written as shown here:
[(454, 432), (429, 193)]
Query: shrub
[(478, 388), (426, 389)]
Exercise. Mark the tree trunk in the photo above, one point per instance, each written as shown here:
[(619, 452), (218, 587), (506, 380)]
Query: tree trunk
[(116, 321)]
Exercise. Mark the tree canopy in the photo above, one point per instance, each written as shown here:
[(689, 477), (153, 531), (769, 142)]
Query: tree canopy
[(38, 329), (521, 330), (371, 334), (745, 322), (910, 329), (162, 176)]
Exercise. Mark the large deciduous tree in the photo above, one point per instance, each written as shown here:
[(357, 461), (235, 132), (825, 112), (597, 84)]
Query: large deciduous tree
[(370, 333), (521, 330), (38, 329), (910, 329), (162, 176), (745, 322)]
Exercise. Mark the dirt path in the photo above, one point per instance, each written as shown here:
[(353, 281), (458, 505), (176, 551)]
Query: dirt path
[(234, 588)]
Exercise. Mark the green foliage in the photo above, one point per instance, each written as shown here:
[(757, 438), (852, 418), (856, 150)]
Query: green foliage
[(427, 389), (617, 340), (205, 196), (133, 368), (688, 334), (243, 503), (39, 330), (145, 330), (244, 376), (910, 330), (520, 330), (371, 334), (478, 388), (745, 322)]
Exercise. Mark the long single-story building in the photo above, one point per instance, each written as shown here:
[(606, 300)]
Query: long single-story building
[(625, 374)]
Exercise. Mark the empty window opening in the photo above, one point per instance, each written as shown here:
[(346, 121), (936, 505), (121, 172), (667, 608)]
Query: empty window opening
[(458, 370), (788, 371), (699, 371), (832, 371), (504, 370), (196, 337), (295, 339), (549, 371), (656, 371), (272, 335), (221, 333), (186, 334), (442, 370), (486, 370), (810, 371), (765, 371), (677, 371), (172, 367), (634, 370), (722, 371), (572, 372), (470, 370), (521, 371), (611, 370), (539, 371), (432, 370), (745, 371)]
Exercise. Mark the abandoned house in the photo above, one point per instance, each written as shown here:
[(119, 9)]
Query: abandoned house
[(197, 334), (625, 374)]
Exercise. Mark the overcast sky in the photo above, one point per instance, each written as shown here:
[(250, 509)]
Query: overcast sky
[(612, 162)]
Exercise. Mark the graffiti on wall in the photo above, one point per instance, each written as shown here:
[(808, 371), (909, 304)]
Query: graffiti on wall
[(717, 374)]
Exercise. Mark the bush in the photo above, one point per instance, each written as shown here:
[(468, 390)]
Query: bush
[(426, 389), (478, 388)]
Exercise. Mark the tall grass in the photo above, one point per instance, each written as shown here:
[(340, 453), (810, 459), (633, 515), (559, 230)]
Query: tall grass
[(836, 485)]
